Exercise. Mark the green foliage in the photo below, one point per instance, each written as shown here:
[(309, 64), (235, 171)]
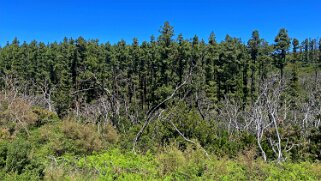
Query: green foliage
[(13, 176), (74, 108), (173, 164), (17, 156), (315, 145), (17, 163), (124, 166), (3, 153), (44, 116), (72, 137), (281, 47)]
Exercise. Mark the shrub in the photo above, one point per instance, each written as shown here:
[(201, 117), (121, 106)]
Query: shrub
[(171, 160), (70, 136), (109, 133), (17, 156), (17, 115), (315, 144), (5, 133), (44, 116), (3, 153), (115, 165)]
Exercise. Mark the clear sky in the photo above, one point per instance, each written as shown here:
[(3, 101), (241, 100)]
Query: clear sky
[(112, 20)]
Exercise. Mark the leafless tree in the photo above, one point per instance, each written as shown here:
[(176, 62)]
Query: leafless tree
[(154, 111)]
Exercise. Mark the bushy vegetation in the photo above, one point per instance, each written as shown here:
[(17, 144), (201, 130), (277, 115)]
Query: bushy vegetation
[(73, 150), (167, 109), (173, 164)]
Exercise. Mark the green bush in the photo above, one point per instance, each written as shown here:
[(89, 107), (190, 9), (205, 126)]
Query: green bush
[(44, 116), (13, 176), (70, 136), (171, 163), (16, 162), (3, 153), (114, 164), (17, 156), (171, 160), (315, 144)]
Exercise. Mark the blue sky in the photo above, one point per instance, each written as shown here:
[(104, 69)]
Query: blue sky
[(113, 20)]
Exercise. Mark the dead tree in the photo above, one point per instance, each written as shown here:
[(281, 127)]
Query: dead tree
[(151, 113)]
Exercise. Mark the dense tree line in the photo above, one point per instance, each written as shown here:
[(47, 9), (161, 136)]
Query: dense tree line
[(270, 90)]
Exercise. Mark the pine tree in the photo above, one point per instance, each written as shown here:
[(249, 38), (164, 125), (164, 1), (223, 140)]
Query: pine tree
[(30, 60), (254, 47), (9, 56), (90, 70), (264, 60), (228, 80), (295, 45), (282, 44), (133, 73), (313, 56), (63, 58), (244, 56), (166, 51), (211, 68), (293, 87), (305, 45), (183, 58), (154, 76), (142, 69)]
